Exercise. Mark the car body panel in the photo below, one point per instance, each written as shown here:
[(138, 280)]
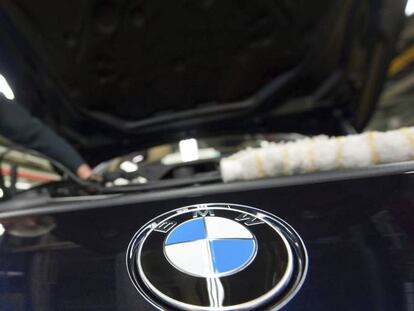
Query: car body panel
[(356, 225)]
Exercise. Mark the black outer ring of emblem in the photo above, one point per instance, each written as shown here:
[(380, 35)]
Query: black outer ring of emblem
[(275, 302)]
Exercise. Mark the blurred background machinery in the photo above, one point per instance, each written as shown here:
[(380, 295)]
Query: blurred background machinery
[(396, 107)]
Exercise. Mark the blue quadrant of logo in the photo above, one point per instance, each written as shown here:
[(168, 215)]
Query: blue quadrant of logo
[(228, 255), (189, 231)]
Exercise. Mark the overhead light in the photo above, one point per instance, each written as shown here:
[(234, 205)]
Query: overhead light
[(2, 230), (138, 158), (203, 154), (5, 88), (188, 149), (121, 182), (128, 166), (23, 185), (409, 8), (1, 193), (141, 180)]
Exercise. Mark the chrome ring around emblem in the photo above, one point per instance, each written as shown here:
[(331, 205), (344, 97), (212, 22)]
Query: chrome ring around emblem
[(205, 246)]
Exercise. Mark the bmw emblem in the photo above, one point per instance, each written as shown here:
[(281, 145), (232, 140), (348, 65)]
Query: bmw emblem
[(217, 257)]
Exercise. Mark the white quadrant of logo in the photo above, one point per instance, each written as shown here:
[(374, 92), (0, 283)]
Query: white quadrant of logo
[(210, 247)]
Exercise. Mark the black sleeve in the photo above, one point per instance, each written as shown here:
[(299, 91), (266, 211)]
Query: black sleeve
[(19, 126)]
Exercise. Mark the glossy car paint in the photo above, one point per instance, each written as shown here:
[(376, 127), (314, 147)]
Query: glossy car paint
[(357, 226)]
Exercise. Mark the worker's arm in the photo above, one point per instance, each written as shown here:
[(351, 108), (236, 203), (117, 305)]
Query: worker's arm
[(19, 126)]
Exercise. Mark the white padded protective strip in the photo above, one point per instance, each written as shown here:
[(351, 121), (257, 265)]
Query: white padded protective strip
[(320, 153)]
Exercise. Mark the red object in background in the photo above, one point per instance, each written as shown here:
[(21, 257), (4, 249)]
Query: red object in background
[(31, 175)]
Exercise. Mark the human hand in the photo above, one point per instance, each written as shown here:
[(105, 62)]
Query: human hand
[(84, 172)]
